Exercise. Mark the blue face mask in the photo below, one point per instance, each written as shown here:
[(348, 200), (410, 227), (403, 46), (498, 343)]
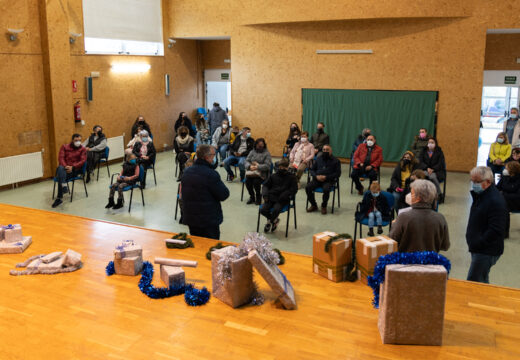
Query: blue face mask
[(476, 187), (132, 161), (214, 162), (145, 139), (248, 135), (375, 194)]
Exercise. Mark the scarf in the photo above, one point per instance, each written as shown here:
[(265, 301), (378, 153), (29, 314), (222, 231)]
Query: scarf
[(184, 141)]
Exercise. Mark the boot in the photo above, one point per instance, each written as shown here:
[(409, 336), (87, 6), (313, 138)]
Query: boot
[(119, 204), (258, 199), (110, 202), (370, 232), (379, 229), (251, 200)]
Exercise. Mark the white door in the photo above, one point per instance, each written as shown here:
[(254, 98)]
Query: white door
[(220, 92)]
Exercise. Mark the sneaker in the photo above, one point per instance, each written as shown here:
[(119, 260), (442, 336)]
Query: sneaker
[(379, 230), (275, 225), (361, 190), (370, 232), (250, 201), (313, 208), (230, 178), (324, 210), (57, 202), (267, 227)]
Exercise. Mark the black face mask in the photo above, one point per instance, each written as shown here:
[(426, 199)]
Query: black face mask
[(282, 171), (99, 132), (141, 122), (325, 155), (183, 135), (320, 130), (407, 161), (259, 149)]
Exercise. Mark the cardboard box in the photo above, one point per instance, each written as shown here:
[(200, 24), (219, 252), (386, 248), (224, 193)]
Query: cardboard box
[(17, 247), (173, 275), (240, 288), (130, 266), (411, 305), (368, 251), (12, 233), (52, 266), (333, 264), (127, 249)]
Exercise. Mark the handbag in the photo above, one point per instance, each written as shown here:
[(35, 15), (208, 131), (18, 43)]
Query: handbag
[(252, 173)]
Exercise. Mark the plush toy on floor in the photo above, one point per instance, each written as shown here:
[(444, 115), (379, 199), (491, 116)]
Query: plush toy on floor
[(53, 263)]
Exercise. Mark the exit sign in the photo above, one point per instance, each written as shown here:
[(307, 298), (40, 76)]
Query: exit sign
[(225, 76), (510, 80)]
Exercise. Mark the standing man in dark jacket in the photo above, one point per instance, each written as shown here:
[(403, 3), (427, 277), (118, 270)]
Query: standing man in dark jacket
[(95, 145), (320, 138), (239, 150), (202, 192), (486, 225), (216, 115), (277, 192), (325, 170)]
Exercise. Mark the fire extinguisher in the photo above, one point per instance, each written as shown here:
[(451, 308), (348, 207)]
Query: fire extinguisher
[(77, 112)]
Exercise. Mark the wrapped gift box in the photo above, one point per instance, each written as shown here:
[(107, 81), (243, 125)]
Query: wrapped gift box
[(127, 249), (239, 289), (173, 275), (12, 233), (130, 266), (368, 251), (57, 264), (72, 258), (411, 304), (16, 247), (332, 264)]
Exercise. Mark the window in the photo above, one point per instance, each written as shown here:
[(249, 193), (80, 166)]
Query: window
[(126, 27)]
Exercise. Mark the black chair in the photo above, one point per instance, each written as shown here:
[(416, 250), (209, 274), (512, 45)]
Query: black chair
[(286, 208), (390, 199), (80, 176), (152, 166), (363, 177), (103, 159), (333, 189), (131, 188), (177, 200), (271, 169)]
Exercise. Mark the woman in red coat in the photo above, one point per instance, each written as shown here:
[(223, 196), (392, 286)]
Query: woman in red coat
[(367, 160)]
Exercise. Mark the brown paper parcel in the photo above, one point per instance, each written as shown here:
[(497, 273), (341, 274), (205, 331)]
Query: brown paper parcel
[(368, 251), (333, 264)]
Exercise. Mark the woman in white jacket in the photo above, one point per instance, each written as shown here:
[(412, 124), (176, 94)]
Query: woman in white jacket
[(221, 139), (302, 154)]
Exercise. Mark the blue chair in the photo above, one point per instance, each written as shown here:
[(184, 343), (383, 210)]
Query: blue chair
[(364, 176), (131, 188), (80, 176), (390, 199), (334, 192), (103, 159), (286, 208)]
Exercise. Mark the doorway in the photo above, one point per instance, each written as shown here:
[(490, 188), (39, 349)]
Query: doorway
[(217, 84)]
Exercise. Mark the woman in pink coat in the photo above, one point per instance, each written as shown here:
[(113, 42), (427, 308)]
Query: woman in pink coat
[(302, 154)]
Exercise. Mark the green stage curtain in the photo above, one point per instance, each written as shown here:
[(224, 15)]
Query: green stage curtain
[(395, 117)]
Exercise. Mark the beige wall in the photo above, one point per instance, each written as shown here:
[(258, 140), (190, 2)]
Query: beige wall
[(214, 52), (502, 50), (423, 45)]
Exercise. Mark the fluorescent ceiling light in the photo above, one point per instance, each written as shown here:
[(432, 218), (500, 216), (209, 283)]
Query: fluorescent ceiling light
[(130, 67), (344, 51)]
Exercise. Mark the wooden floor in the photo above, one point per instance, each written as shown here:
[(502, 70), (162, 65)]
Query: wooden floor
[(87, 315)]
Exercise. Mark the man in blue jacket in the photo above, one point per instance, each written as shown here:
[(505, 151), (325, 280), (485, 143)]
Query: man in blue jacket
[(202, 191), (486, 225), (325, 170)]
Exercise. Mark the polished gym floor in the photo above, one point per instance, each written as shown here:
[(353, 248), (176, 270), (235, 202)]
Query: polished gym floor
[(240, 218)]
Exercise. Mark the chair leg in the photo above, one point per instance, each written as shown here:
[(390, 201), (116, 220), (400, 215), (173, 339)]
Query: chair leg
[(360, 230), (351, 186), (108, 168), (287, 222), (338, 195), (142, 195), (154, 178), (242, 195), (98, 164), (72, 191), (54, 189), (355, 230), (333, 198), (258, 220), (131, 195), (176, 207), (444, 191), (85, 186), (294, 212)]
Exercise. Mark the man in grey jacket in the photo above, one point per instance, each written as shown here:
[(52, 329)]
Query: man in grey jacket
[(216, 115), (421, 228)]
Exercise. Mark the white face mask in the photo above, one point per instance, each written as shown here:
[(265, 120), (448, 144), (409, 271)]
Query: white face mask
[(431, 146), (303, 139), (224, 126), (370, 143), (77, 143), (500, 140), (505, 172), (514, 116)]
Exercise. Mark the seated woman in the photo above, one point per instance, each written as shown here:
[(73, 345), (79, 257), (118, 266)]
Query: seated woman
[(416, 174), (128, 176), (401, 173), (374, 206), (184, 120), (509, 186), (292, 138), (301, 155), (499, 152), (515, 154), (130, 146), (257, 165), (221, 140), (203, 136), (145, 152), (184, 146), (140, 122), (433, 163), (420, 142)]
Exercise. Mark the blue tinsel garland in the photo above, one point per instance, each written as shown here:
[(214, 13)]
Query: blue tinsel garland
[(196, 297), (419, 257), (110, 270)]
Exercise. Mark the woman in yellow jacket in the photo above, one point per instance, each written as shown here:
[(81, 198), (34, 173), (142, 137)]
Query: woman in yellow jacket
[(499, 152)]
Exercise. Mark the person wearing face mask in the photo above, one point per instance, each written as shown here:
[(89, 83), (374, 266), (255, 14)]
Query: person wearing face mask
[(325, 171), (277, 192), (145, 153), (240, 148), (421, 228), (361, 138), (515, 154), (512, 127), (320, 138), (184, 120), (402, 172), (140, 122), (420, 142), (202, 191), (486, 228), (203, 136), (258, 165), (183, 145), (292, 138), (95, 145), (433, 163), (367, 160), (221, 140), (216, 116), (374, 206), (509, 186), (499, 152), (128, 177), (301, 155), (71, 158)]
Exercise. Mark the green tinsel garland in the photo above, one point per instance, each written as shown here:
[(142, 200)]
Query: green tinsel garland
[(181, 236), (336, 238), (282, 258)]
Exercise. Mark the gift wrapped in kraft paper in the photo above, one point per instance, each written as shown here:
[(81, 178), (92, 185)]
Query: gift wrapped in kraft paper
[(128, 249), (331, 264), (368, 251), (12, 233), (411, 304)]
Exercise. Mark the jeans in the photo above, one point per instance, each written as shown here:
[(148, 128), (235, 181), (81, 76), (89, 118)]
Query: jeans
[(235, 160), (271, 210), (377, 216), (63, 176), (326, 186), (397, 196), (480, 266), (222, 150), (212, 232), (356, 174), (435, 181)]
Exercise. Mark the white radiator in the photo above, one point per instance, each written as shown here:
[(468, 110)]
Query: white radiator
[(117, 147), (14, 169)]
